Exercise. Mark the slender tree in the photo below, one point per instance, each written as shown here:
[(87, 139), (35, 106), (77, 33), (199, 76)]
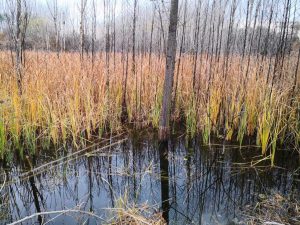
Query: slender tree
[(107, 43), (294, 88), (17, 22), (124, 113), (169, 74), (133, 68), (151, 38), (196, 41), (82, 27), (182, 41), (54, 14), (94, 26), (18, 46)]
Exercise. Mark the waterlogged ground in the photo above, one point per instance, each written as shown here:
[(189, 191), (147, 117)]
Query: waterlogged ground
[(189, 182)]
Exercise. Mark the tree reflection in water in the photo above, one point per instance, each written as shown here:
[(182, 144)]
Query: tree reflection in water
[(190, 182), (164, 178)]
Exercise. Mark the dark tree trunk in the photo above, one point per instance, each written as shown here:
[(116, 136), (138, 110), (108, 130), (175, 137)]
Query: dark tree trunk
[(82, 27), (107, 45), (294, 88), (18, 46), (169, 74), (133, 68), (182, 41), (151, 39), (94, 26), (196, 43), (124, 113)]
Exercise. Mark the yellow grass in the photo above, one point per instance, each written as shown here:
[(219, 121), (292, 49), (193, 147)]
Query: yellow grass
[(64, 99)]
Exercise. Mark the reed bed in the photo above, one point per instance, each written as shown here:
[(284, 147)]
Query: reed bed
[(68, 100)]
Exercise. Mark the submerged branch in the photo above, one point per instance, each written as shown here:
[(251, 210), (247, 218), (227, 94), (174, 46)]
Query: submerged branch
[(56, 212)]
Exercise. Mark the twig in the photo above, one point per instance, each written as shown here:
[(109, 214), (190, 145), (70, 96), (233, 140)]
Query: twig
[(69, 156), (272, 223), (56, 212)]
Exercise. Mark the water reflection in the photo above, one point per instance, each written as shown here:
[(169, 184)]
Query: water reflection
[(189, 183), (164, 178)]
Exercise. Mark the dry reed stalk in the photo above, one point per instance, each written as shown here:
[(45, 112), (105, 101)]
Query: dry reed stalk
[(61, 102)]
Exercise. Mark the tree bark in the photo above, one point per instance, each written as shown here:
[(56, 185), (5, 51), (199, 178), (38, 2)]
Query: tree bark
[(182, 42), (169, 74), (94, 26), (82, 35), (18, 46), (107, 44), (133, 68)]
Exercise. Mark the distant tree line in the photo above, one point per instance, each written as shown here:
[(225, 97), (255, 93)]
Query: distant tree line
[(238, 24)]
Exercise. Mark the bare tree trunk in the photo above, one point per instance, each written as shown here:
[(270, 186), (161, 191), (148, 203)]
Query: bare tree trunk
[(259, 39), (169, 74), (94, 24), (182, 41), (196, 43), (151, 40), (24, 25), (133, 68), (54, 15), (107, 43), (124, 113), (114, 33), (246, 30), (266, 41), (82, 17), (210, 51), (251, 42), (295, 82), (162, 29), (18, 46), (281, 47), (63, 38)]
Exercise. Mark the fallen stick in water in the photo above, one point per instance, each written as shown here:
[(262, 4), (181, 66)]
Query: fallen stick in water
[(56, 212), (73, 154), (40, 169)]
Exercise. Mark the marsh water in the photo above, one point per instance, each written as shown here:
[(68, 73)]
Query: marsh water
[(190, 183)]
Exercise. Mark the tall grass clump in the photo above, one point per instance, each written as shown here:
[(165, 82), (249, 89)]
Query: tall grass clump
[(64, 103)]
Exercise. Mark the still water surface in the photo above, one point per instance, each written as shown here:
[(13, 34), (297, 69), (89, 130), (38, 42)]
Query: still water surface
[(189, 182)]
